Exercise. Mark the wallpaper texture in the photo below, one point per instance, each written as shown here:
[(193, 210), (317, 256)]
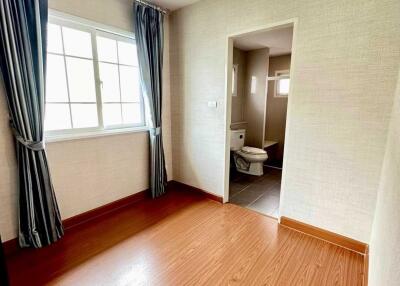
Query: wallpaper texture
[(384, 247), (344, 73)]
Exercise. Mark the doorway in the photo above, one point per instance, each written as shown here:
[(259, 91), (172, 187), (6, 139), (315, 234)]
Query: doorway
[(258, 94)]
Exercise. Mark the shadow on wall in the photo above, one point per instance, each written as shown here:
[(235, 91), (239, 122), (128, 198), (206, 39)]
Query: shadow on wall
[(248, 104), (385, 249), (178, 129)]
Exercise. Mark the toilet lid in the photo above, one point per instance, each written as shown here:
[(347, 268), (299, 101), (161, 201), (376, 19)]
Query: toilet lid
[(252, 150)]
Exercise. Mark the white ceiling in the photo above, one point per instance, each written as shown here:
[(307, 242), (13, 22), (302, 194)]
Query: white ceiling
[(172, 5), (279, 41)]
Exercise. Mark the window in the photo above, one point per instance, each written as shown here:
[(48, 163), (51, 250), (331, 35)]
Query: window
[(92, 81), (234, 79), (282, 84), (253, 85)]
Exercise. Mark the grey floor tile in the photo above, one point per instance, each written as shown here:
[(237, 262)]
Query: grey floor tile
[(266, 204), (243, 201), (266, 183), (258, 190), (272, 171), (275, 190), (235, 188), (246, 197), (258, 193)]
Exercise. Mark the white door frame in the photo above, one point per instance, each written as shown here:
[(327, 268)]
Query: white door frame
[(228, 97)]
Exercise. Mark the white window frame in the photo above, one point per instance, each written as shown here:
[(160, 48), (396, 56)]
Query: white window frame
[(95, 29), (281, 74)]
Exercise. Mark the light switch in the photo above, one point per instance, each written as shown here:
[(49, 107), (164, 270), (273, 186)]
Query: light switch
[(212, 104)]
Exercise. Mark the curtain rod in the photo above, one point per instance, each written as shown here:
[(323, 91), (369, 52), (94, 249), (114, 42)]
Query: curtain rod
[(158, 8)]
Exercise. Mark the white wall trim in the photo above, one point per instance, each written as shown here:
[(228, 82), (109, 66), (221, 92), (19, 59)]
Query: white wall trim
[(94, 134)]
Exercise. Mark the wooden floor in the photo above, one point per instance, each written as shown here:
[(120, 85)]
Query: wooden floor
[(185, 239)]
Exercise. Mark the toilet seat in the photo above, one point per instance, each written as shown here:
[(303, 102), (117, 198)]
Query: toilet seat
[(252, 150), (248, 160), (252, 154)]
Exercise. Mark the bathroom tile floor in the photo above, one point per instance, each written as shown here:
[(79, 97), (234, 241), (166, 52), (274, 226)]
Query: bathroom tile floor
[(260, 194)]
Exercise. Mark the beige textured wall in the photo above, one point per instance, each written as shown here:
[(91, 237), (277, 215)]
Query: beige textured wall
[(239, 58), (8, 170), (385, 248), (91, 172), (338, 111), (115, 13), (254, 103), (275, 123)]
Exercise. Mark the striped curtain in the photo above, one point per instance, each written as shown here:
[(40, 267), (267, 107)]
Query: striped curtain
[(149, 33), (23, 25)]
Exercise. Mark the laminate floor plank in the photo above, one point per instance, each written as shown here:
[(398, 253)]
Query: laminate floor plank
[(183, 238)]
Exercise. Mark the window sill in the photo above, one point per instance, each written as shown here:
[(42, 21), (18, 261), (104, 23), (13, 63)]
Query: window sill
[(93, 134)]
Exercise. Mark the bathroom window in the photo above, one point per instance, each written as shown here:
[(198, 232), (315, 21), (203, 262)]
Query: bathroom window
[(253, 85), (234, 80), (282, 84), (92, 82)]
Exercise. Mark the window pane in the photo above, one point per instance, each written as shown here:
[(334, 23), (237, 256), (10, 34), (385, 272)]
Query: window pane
[(112, 114), (56, 84), (77, 43), (130, 84), (57, 117), (131, 113), (81, 80), (84, 115), (127, 53), (283, 86), (54, 43), (109, 82), (106, 49)]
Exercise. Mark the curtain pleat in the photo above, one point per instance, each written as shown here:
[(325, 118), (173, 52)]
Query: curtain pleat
[(23, 30), (149, 34)]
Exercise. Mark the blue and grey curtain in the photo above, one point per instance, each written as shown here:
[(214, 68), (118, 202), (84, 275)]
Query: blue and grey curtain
[(149, 33), (23, 26)]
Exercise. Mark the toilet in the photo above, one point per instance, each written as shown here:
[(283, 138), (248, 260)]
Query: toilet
[(248, 160)]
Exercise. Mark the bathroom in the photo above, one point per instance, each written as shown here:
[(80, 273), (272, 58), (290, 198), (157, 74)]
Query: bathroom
[(260, 92)]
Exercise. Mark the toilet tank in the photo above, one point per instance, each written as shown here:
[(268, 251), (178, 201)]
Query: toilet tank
[(237, 139)]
